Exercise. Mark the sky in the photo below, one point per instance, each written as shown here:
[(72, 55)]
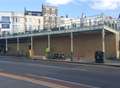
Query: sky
[(73, 8)]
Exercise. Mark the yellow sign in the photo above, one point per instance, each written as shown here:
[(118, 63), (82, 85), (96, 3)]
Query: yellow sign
[(47, 50)]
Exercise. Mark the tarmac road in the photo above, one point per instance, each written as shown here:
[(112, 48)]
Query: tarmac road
[(23, 73)]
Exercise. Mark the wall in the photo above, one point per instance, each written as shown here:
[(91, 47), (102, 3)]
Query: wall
[(23, 47), (110, 45), (85, 45), (39, 45), (61, 44)]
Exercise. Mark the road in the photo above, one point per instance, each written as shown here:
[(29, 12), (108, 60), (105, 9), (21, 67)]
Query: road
[(23, 73)]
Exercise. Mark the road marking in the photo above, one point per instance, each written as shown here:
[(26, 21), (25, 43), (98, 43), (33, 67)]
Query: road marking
[(67, 82), (32, 80)]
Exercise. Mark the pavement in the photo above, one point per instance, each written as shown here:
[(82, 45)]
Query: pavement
[(107, 62), (19, 72), (113, 63)]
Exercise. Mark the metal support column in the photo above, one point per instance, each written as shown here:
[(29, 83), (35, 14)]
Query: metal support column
[(31, 44), (71, 36), (48, 47), (49, 42), (117, 46), (6, 44), (103, 42), (18, 45)]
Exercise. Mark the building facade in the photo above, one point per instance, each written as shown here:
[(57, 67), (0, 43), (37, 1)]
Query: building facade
[(50, 14), (15, 23), (76, 37)]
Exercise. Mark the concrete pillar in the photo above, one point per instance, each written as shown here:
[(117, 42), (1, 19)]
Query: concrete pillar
[(18, 45), (71, 49), (103, 42), (117, 46), (31, 44), (49, 42), (6, 44)]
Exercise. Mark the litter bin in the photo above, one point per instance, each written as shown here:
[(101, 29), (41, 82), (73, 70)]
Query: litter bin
[(99, 57)]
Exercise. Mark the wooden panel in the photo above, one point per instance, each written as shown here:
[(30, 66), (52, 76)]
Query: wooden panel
[(40, 44), (85, 45)]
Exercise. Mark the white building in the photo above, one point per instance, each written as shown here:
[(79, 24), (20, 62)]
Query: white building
[(13, 22), (33, 21), (6, 22), (69, 23)]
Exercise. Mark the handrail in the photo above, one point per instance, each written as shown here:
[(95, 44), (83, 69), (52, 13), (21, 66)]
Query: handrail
[(78, 26), (55, 32)]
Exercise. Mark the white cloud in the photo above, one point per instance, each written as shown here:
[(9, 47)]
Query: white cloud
[(58, 2), (105, 4), (94, 4)]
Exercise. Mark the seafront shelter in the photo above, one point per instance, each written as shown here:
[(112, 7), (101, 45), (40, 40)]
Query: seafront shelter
[(81, 42)]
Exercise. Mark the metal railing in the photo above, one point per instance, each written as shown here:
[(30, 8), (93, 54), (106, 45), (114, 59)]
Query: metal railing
[(82, 25)]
